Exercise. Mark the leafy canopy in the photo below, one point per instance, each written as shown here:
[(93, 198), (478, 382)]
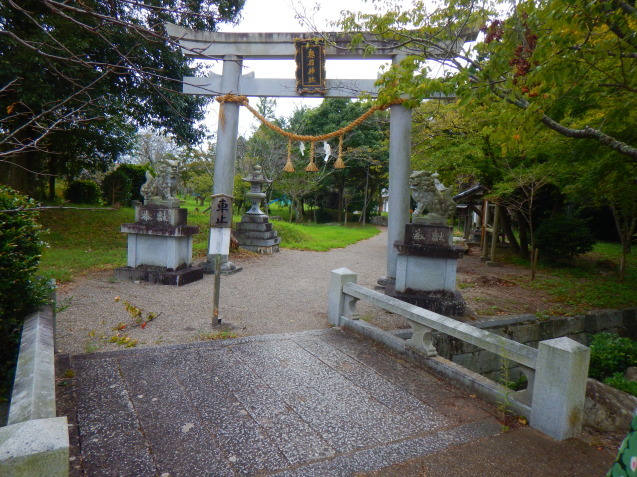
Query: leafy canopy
[(569, 64), (90, 72)]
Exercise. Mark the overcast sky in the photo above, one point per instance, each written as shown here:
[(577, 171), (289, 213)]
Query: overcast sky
[(279, 16)]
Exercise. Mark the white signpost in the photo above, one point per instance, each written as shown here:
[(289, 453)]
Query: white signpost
[(233, 48), (219, 244)]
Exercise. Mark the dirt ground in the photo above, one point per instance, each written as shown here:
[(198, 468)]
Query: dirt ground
[(495, 290), (279, 293)]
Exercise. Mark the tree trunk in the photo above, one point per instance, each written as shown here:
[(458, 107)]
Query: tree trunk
[(626, 231), (524, 237), (534, 257), (314, 211), (340, 189), (291, 209), (298, 210), (505, 219), (21, 174), (496, 231), (345, 207), (366, 197), (51, 188)]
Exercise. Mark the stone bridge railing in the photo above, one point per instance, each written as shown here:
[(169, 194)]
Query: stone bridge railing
[(556, 372), (35, 441)]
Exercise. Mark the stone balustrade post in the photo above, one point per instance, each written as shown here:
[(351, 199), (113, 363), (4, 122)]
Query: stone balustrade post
[(422, 339), (337, 300), (559, 390)]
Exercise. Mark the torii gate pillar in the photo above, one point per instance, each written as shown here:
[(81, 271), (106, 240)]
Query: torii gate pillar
[(226, 151), (399, 170)]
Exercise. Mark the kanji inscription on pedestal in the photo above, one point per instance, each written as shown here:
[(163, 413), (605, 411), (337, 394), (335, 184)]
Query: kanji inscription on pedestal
[(428, 234)]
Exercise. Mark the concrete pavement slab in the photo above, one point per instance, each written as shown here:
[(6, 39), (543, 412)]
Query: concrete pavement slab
[(181, 441), (107, 420), (324, 403), (523, 451)]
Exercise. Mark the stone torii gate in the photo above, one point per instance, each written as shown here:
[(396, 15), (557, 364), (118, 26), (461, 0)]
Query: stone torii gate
[(233, 48)]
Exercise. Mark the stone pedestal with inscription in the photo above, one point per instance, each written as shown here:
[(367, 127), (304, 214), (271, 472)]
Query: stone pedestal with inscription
[(160, 245), (426, 268), (254, 232)]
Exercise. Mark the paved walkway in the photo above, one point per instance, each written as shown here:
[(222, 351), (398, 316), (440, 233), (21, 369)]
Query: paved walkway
[(314, 403)]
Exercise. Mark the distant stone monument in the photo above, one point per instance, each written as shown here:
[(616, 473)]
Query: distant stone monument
[(255, 232), (427, 260), (160, 241)]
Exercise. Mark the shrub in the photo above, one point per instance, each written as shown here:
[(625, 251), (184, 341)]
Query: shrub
[(116, 187), (559, 237), (323, 216), (20, 291), (611, 354), (618, 381), (83, 191), (137, 175)]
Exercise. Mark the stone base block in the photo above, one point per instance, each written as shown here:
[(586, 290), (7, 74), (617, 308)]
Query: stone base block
[(428, 233), (425, 273), (258, 242), (444, 302), (160, 275), (255, 234), (265, 249), (161, 214), (37, 447), (227, 267), (169, 252)]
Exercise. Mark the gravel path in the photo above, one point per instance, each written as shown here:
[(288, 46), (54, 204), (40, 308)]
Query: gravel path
[(279, 293)]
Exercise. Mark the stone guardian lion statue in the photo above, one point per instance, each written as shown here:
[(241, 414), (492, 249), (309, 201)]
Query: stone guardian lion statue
[(431, 195), (164, 185)]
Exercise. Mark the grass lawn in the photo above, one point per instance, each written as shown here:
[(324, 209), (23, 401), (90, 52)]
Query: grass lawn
[(82, 241), (589, 282)]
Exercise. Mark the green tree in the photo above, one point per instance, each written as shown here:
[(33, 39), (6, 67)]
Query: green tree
[(83, 191), (607, 180), (137, 175), (561, 238), (199, 172), (266, 148), (78, 78), (364, 149), (116, 187), (468, 145), (567, 64)]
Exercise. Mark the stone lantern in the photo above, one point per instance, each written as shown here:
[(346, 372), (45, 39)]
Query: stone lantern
[(254, 232), (256, 179)]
